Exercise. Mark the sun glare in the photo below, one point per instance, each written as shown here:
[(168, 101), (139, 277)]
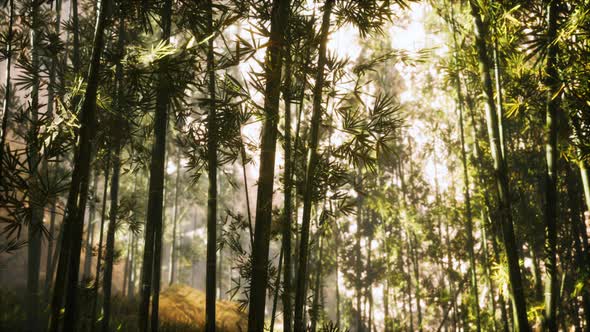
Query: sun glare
[(171, 167), (411, 37), (344, 42)]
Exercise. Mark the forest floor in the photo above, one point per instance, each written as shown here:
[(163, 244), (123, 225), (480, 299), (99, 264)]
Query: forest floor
[(182, 309)]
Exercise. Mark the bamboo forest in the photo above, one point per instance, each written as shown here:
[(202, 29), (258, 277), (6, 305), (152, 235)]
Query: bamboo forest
[(294, 165)]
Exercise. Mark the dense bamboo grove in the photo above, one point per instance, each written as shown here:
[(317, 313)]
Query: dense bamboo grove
[(294, 165)]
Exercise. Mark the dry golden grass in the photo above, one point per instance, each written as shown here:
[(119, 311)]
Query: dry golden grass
[(184, 305), (182, 309)]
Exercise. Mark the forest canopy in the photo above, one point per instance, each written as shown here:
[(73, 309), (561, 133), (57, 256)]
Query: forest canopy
[(294, 165)]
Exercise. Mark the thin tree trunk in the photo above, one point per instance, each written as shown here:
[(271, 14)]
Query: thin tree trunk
[(550, 213), (401, 245), (156, 190), (467, 194), (584, 173), (500, 172), (64, 244), (273, 62), (312, 162), (358, 259), (7, 91), (246, 193), (90, 232), (506, 318), (126, 268), (115, 181), (488, 208), (296, 142), (175, 222), (49, 268), (129, 282), (110, 245), (386, 292), (50, 97), (79, 186), (487, 270), (294, 157), (337, 268), (35, 203), (451, 283), (273, 314), (132, 274), (100, 241), (158, 245), (127, 279), (219, 275), (212, 174), (582, 164), (369, 289), (408, 287), (440, 235), (581, 258), (437, 198), (566, 260), (499, 98), (288, 177), (414, 256), (315, 316), (537, 278)]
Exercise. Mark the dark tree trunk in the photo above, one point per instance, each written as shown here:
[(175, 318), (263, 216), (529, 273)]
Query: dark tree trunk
[(273, 64), (581, 257), (117, 146), (150, 269), (64, 244), (585, 175), (212, 174), (487, 204), (110, 245), (337, 269), (550, 212), (501, 176), (100, 241), (288, 183), (49, 268), (312, 162), (50, 97), (7, 92), (219, 275), (582, 164), (369, 288), (35, 201), (75, 208)]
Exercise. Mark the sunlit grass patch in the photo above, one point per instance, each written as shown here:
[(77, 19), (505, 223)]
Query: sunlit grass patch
[(185, 305)]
